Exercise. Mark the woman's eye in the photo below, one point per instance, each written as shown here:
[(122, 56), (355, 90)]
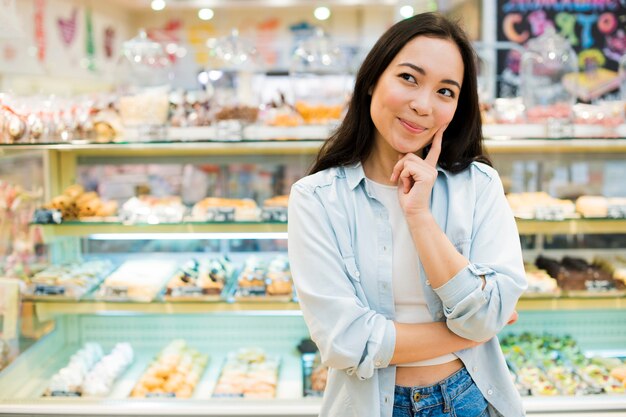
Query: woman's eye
[(407, 77), (447, 92)]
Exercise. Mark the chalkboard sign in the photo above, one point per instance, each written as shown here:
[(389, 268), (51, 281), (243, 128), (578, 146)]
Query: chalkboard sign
[(596, 29)]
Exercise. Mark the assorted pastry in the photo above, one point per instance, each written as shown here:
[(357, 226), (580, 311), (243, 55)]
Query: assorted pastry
[(174, 373), (259, 278), (197, 279), (76, 203), (275, 209), (539, 281), (89, 373), (248, 373), (541, 206), (71, 280), (225, 210), (152, 210), (576, 274), (136, 280)]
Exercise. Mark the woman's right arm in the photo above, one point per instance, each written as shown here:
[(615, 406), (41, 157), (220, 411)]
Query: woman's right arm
[(349, 335)]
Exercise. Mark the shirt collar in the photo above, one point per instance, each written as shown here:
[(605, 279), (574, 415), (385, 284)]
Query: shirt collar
[(355, 174)]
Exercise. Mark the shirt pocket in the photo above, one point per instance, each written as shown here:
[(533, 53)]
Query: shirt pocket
[(355, 278)]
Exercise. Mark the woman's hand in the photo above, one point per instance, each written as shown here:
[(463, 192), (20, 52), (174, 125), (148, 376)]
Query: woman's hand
[(416, 177)]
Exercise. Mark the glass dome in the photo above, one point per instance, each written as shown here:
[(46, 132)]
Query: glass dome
[(549, 78), (319, 79), (235, 75), (143, 102)]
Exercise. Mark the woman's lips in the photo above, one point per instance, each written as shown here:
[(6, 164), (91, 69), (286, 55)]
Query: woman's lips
[(412, 127)]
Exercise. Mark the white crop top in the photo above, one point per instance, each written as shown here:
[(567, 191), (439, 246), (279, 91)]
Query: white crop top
[(408, 295)]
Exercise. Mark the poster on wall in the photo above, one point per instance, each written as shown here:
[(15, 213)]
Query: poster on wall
[(595, 29)]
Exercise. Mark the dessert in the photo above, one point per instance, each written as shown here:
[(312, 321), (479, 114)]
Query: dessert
[(137, 280), (174, 373), (248, 373), (200, 278), (72, 281), (225, 209), (69, 380), (75, 203), (99, 381), (539, 281), (260, 279), (152, 210), (539, 205)]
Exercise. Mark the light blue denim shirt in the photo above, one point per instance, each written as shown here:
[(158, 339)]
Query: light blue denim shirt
[(340, 255)]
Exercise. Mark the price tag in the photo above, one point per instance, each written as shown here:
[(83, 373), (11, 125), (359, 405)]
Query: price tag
[(160, 395), (116, 292), (179, 291), (42, 289), (220, 214), (598, 285), (274, 214), (616, 211), (9, 308), (64, 394)]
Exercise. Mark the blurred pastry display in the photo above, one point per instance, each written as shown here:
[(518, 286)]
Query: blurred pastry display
[(200, 280), (539, 281), (248, 373), (614, 265), (68, 281), (152, 210), (598, 206), (576, 275), (76, 203), (69, 380), (174, 373), (259, 279), (100, 379), (225, 210), (136, 280), (4, 354), (275, 209), (540, 206)]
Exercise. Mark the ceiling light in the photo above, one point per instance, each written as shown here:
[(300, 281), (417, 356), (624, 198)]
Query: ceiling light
[(406, 11), (321, 13), (157, 5), (205, 14)]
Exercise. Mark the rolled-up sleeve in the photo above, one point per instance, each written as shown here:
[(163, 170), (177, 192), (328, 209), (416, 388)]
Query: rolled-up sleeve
[(474, 312), (349, 335)]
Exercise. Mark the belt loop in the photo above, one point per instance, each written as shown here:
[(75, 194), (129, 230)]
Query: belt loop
[(446, 397)]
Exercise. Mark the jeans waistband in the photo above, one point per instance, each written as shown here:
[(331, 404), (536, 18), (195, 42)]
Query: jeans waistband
[(446, 389)]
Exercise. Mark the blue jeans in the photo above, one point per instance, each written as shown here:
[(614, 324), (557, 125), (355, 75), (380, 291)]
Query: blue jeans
[(455, 396)]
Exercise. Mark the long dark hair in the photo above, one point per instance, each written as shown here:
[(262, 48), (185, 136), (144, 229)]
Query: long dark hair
[(352, 141)]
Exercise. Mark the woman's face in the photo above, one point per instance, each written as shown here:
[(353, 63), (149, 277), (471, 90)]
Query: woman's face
[(416, 95)]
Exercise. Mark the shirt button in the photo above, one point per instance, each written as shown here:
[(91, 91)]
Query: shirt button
[(378, 363), (386, 400), (384, 248), (475, 369), (490, 392), (428, 283), (357, 273)]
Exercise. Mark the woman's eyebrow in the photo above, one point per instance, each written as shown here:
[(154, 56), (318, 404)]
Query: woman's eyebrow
[(423, 72)]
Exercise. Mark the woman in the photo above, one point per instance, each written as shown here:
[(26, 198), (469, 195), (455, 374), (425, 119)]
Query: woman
[(404, 252)]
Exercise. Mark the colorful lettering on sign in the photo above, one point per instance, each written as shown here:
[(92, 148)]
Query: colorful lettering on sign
[(607, 23), (508, 27), (586, 21), (572, 6), (567, 23), (539, 22)]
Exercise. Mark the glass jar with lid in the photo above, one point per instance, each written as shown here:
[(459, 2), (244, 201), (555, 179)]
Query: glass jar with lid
[(235, 75), (320, 79), (549, 77), (143, 102)]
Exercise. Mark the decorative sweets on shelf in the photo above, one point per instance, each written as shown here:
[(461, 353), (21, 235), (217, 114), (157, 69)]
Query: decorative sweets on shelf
[(548, 365), (200, 280), (615, 265), (248, 373), (152, 210), (257, 280), (68, 281), (215, 209), (174, 373), (136, 280)]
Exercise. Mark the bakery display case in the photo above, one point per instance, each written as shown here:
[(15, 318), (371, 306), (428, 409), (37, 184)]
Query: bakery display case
[(176, 294)]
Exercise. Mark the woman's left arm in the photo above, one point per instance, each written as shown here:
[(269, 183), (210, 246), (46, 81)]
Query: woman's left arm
[(479, 293)]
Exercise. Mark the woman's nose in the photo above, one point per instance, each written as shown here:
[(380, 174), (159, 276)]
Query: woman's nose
[(420, 103)]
